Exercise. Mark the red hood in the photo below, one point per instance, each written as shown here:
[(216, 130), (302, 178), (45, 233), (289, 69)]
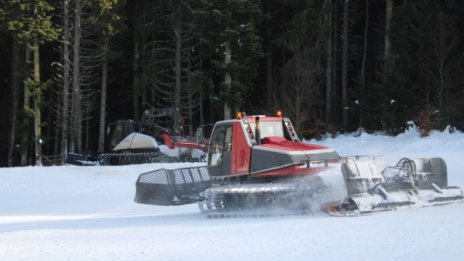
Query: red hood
[(287, 145)]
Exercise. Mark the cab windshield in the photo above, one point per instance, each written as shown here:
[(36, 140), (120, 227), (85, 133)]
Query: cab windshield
[(268, 128)]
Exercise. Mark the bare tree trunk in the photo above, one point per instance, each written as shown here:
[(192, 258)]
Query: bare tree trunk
[(386, 117), (87, 127), (14, 96), (200, 93), (328, 75), (26, 120), (270, 99), (66, 72), (135, 80), (37, 101), (227, 79), (363, 65), (76, 133), (101, 132), (178, 72), (388, 18), (445, 46), (442, 70), (297, 94), (190, 93), (345, 68), (335, 88), (57, 133), (50, 131)]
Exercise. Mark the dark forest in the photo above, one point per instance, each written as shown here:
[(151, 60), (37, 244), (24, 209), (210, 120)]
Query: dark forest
[(69, 67)]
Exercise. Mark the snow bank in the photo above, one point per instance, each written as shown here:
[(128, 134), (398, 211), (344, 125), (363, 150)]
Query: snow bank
[(87, 213)]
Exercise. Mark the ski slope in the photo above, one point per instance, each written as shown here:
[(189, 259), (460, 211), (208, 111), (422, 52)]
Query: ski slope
[(87, 213)]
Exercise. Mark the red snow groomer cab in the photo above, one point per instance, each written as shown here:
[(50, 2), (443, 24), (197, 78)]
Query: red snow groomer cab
[(257, 163), (254, 147)]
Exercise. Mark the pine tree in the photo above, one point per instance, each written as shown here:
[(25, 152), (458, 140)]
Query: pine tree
[(111, 23), (30, 22), (230, 28), (167, 62)]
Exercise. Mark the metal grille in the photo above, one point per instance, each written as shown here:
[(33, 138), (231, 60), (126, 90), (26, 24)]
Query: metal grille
[(155, 177), (187, 177), (178, 176), (204, 173), (196, 175)]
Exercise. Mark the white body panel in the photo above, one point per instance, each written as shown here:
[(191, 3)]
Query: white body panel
[(136, 141)]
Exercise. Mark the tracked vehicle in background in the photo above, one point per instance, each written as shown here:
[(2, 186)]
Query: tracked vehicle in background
[(158, 137), (258, 166)]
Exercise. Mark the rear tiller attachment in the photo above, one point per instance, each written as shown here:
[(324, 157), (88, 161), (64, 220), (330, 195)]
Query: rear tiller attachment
[(172, 187), (411, 183)]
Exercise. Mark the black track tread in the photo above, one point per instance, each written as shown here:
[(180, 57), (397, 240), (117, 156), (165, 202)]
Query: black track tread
[(129, 158), (213, 204)]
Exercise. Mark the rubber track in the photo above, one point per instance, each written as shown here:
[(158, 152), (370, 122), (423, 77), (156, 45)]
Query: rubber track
[(284, 201), (128, 158)]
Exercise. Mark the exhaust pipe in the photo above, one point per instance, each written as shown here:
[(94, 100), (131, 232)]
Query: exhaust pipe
[(257, 131)]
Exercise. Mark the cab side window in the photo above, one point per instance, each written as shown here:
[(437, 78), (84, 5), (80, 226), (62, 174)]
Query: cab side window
[(117, 135), (228, 139), (221, 141)]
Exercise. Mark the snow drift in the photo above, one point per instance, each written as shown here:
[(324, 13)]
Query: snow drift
[(88, 213)]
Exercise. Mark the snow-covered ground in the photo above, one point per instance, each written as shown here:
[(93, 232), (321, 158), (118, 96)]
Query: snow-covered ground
[(88, 213)]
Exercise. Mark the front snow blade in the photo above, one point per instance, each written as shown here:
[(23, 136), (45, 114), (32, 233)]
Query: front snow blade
[(172, 186), (410, 184)]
